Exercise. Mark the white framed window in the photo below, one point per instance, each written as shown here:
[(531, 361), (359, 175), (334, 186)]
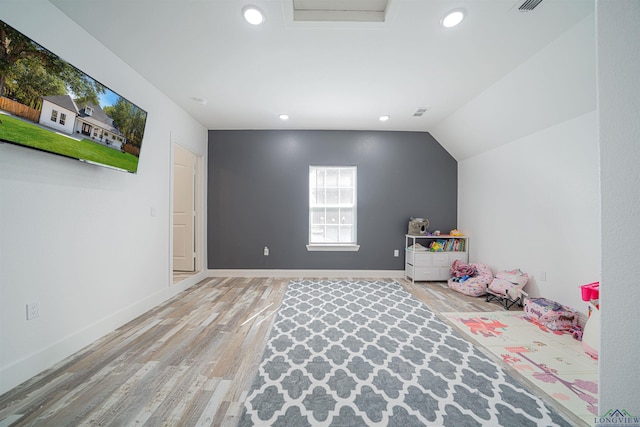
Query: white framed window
[(333, 208), (54, 116)]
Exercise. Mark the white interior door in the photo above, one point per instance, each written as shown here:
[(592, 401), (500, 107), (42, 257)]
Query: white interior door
[(184, 174)]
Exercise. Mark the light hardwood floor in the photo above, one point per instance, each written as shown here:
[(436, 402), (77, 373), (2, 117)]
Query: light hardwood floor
[(187, 362)]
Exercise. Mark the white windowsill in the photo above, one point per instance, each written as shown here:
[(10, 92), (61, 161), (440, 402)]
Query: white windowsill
[(332, 248)]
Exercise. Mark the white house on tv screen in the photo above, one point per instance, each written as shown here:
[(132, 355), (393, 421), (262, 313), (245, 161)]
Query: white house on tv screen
[(63, 114)]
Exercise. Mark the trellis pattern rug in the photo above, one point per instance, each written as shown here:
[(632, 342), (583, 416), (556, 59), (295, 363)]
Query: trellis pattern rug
[(367, 353)]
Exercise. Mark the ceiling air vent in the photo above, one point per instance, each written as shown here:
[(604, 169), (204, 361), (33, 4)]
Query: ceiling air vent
[(339, 10), (420, 111), (529, 5)]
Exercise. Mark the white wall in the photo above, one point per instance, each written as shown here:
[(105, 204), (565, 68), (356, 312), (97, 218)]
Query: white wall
[(79, 239), (531, 199), (533, 204), (552, 86), (618, 33)]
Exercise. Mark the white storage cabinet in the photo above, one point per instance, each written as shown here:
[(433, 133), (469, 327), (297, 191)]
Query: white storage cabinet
[(423, 265)]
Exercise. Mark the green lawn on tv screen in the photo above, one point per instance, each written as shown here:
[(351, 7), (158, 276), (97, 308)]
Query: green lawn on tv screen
[(31, 135)]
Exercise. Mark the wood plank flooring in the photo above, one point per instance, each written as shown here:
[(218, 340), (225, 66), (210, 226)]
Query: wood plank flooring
[(187, 362)]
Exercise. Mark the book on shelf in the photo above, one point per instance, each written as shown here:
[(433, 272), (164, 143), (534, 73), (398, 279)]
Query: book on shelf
[(440, 244), (446, 245)]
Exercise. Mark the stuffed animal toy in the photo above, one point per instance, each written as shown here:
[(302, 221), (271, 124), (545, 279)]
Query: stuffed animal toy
[(418, 226)]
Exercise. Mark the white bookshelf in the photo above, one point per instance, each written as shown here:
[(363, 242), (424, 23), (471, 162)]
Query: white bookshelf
[(425, 265)]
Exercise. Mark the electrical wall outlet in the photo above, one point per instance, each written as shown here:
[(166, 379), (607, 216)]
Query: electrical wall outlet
[(396, 252), (33, 310), (266, 251)]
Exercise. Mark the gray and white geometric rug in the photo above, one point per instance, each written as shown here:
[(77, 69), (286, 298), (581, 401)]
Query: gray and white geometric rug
[(367, 353)]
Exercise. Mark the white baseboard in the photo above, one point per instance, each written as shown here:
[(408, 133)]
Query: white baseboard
[(373, 274), (190, 281), (48, 357)]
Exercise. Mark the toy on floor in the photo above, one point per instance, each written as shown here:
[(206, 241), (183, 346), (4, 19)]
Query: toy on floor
[(550, 314), (590, 291), (506, 288), (591, 333), (478, 276), (459, 269), (576, 332)]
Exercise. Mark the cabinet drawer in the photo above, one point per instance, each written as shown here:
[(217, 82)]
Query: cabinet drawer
[(444, 273), (418, 259), (462, 256), (422, 273), (441, 259)]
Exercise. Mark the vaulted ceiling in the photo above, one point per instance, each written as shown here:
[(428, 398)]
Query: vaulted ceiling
[(338, 73)]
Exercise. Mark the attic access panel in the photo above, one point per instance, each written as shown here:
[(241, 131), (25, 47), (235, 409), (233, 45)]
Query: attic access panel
[(339, 10)]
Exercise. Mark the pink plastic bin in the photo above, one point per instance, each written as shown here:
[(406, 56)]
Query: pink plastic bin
[(590, 291)]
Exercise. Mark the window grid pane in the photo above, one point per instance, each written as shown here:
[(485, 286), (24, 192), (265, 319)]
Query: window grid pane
[(333, 196)]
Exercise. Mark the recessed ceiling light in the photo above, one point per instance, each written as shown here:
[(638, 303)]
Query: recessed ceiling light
[(253, 15), (384, 118), (452, 18), (283, 117)]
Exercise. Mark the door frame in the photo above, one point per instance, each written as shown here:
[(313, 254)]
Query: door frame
[(198, 225)]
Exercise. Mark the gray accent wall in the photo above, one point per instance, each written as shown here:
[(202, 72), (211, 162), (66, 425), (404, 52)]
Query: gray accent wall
[(258, 195)]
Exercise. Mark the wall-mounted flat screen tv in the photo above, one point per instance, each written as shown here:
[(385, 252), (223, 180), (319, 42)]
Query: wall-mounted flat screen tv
[(49, 105)]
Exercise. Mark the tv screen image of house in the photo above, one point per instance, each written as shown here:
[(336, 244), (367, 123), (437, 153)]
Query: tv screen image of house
[(49, 105)]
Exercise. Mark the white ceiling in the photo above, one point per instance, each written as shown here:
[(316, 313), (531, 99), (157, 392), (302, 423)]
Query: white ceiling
[(324, 75)]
